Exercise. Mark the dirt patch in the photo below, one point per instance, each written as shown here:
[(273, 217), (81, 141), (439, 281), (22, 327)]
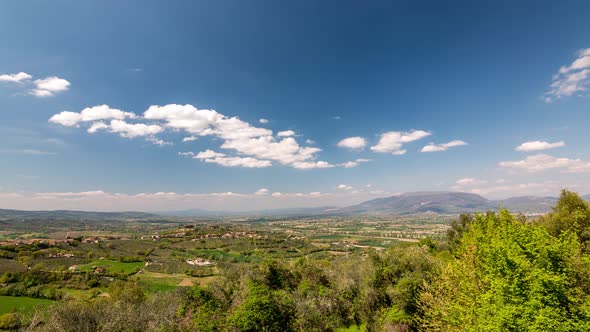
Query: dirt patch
[(185, 282)]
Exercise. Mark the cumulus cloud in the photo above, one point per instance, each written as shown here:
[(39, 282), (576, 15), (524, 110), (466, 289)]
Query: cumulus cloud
[(238, 135), (262, 191), (15, 78), (66, 118), (570, 79), (356, 142), (393, 141), (100, 112), (185, 117), (49, 86), (263, 121), (311, 164), (45, 87), (344, 187), (190, 139), (247, 162), (131, 130), (156, 141), (254, 146), (539, 145), (543, 162), (351, 164), (286, 133), (99, 200), (431, 147), (97, 114), (97, 126), (210, 156)]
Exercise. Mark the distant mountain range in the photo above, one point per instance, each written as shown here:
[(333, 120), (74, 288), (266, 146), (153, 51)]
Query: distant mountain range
[(448, 203), (75, 215), (437, 202)]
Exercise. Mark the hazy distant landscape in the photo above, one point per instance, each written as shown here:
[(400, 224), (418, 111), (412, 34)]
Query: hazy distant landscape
[(403, 204)]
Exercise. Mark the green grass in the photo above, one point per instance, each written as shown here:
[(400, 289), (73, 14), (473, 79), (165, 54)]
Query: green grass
[(112, 266), (352, 328), (220, 255), (20, 304)]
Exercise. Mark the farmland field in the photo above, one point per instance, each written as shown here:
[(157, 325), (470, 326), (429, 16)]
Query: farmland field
[(20, 304)]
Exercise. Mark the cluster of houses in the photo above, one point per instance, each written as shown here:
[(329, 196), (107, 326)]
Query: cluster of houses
[(62, 254), (232, 235), (155, 237), (200, 262), (95, 269)]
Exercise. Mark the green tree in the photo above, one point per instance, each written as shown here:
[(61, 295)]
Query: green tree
[(510, 276), (263, 310), (570, 214)]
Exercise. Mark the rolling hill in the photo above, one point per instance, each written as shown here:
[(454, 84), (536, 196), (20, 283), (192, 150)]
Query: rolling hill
[(74, 215), (421, 202)]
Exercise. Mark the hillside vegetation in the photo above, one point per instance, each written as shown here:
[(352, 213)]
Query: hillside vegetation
[(495, 271)]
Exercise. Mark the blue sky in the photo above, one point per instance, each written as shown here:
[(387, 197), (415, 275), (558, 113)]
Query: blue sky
[(392, 76)]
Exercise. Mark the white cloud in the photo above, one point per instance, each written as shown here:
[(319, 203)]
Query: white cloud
[(49, 86), (207, 154), (543, 162), (190, 139), (157, 141), (15, 78), (247, 141), (431, 147), (286, 133), (470, 182), (344, 187), (392, 142), (100, 112), (210, 156), (570, 79), (97, 126), (66, 118), (238, 135), (286, 151), (186, 154), (247, 162), (99, 200), (353, 143), (117, 125), (263, 121), (309, 141), (262, 191), (311, 164), (185, 117), (351, 164), (103, 112), (539, 145), (129, 130)]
